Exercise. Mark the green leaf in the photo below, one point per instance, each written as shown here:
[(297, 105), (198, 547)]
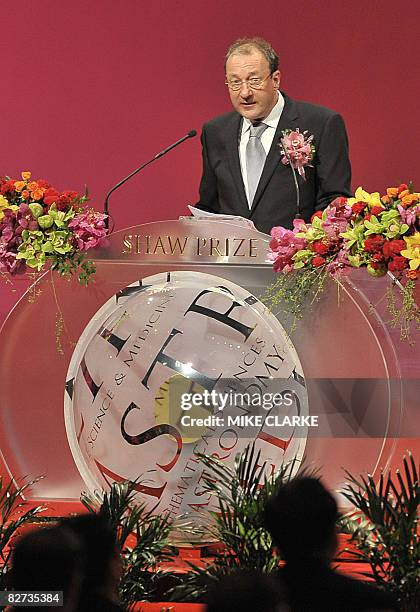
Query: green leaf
[(45, 221), (36, 210)]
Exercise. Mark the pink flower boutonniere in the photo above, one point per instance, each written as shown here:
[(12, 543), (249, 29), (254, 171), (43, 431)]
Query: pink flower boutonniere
[(297, 150)]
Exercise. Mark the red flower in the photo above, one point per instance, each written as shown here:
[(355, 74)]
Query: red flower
[(393, 247), (70, 195), (367, 217), (397, 264), (318, 214), (402, 187), (51, 196), (358, 207), (374, 243), (320, 247), (65, 200), (318, 261), (43, 183), (7, 187), (378, 258), (376, 210)]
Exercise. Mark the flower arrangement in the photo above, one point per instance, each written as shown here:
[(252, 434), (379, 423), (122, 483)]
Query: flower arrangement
[(40, 225), (380, 233)]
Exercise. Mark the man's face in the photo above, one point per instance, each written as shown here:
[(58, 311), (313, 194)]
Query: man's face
[(254, 104)]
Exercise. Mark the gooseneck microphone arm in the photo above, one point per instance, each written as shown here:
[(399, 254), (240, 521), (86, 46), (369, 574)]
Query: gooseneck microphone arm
[(190, 134), (289, 159)]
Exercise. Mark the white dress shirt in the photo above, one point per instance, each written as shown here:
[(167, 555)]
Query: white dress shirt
[(272, 121)]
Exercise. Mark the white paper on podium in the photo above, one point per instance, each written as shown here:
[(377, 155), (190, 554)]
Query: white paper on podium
[(208, 216)]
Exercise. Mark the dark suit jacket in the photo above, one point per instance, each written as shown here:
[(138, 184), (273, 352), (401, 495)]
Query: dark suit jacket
[(314, 587), (222, 189)]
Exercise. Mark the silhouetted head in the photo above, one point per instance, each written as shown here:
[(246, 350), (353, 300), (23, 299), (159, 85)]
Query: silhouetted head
[(48, 559), (301, 518), (102, 570)]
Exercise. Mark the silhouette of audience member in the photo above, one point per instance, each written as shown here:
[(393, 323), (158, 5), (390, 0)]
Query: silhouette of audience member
[(301, 518), (247, 592), (49, 559), (103, 564)]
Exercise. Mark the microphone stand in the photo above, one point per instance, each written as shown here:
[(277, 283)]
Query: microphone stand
[(190, 134)]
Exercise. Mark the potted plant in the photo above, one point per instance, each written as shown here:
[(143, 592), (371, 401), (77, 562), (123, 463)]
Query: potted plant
[(385, 530)]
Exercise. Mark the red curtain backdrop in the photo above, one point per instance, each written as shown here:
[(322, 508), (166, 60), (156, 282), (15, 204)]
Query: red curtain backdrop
[(90, 89)]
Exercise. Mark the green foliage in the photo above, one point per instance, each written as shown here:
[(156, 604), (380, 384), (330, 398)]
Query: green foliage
[(242, 493), (70, 265), (149, 533), (385, 530), (403, 309), (12, 517), (294, 291)]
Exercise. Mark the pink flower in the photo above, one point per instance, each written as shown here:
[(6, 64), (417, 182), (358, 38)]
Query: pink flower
[(409, 215), (339, 263), (337, 215), (283, 245), (26, 219), (9, 241), (298, 149), (89, 230)]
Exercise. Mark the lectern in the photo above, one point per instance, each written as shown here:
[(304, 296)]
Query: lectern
[(92, 379)]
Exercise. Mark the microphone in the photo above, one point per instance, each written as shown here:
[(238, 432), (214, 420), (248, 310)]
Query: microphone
[(190, 134)]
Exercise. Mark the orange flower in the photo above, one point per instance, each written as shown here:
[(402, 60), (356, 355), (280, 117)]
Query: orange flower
[(25, 194), (26, 176), (410, 199), (412, 274), (38, 193), (403, 193), (385, 199), (32, 185), (392, 192), (19, 185)]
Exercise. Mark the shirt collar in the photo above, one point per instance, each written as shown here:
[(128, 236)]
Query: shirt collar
[(272, 119)]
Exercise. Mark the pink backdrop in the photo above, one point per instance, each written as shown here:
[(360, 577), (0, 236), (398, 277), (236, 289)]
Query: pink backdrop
[(91, 89)]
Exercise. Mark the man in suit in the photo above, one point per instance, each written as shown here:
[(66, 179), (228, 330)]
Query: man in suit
[(232, 183)]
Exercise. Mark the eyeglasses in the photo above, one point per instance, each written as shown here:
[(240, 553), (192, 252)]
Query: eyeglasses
[(252, 83)]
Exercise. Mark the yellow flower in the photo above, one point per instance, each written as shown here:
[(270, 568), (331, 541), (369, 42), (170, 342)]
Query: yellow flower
[(5, 204), (26, 176), (412, 252), (372, 199)]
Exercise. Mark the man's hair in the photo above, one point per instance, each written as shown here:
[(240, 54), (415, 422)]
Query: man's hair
[(301, 517), (245, 46), (49, 559)]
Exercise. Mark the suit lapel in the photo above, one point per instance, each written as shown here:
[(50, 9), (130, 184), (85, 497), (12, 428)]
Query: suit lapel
[(288, 120), (233, 132)]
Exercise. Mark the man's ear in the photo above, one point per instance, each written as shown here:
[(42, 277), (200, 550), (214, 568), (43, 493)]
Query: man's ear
[(276, 79)]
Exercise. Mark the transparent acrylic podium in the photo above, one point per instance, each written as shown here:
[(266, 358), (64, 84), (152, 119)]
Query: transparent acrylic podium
[(358, 375)]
